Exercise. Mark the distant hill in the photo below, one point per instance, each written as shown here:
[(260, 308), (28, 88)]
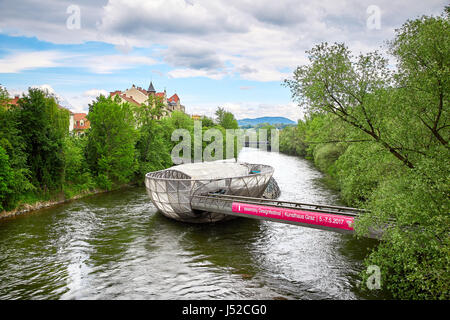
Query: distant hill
[(270, 120)]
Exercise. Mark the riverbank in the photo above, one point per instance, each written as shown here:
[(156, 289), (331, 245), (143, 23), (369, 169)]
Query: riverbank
[(35, 206)]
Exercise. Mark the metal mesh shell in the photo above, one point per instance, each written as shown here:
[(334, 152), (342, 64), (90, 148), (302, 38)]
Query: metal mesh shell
[(171, 190)]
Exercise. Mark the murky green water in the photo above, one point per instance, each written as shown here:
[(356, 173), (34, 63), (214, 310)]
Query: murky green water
[(116, 246)]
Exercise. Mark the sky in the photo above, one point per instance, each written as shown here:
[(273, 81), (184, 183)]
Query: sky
[(229, 53)]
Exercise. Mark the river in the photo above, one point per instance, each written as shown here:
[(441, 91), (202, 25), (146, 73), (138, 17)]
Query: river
[(117, 246)]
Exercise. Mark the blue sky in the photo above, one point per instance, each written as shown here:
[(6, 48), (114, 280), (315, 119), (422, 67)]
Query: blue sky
[(233, 53)]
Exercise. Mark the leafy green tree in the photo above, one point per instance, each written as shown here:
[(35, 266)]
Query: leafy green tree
[(13, 144), (151, 147), (348, 87), (207, 122), (422, 48), (226, 119), (78, 177), (389, 148), (289, 141), (111, 140), (154, 108), (43, 126), (6, 179)]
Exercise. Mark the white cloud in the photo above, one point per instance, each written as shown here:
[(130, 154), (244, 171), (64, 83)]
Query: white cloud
[(18, 62), (190, 73), (111, 63), (258, 41), (268, 37), (80, 103), (95, 93)]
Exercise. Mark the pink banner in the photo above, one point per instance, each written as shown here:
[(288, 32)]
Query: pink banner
[(308, 217)]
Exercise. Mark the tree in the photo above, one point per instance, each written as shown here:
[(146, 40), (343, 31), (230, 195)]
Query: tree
[(10, 134), (336, 82), (422, 48), (226, 119), (207, 122), (153, 109), (401, 174), (151, 147), (43, 126), (111, 141), (6, 179)]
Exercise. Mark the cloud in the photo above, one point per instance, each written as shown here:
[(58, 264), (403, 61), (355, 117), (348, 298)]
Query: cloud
[(95, 93), (191, 73), (111, 63), (149, 18), (193, 57), (47, 20), (262, 41), (251, 40), (80, 103), (161, 74), (18, 62)]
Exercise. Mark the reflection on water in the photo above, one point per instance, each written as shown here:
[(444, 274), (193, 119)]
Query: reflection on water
[(116, 246)]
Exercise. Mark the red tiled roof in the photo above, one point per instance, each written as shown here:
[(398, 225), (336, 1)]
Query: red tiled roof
[(174, 98), (130, 100), (143, 91), (160, 94), (124, 97), (77, 117), (14, 101), (115, 92)]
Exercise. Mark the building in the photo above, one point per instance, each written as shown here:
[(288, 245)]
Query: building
[(78, 123), (14, 101), (137, 96), (11, 102)]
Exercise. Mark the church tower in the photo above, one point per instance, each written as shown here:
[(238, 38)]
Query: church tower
[(151, 89)]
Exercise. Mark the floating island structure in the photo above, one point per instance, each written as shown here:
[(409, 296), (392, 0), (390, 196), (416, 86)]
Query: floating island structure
[(171, 190)]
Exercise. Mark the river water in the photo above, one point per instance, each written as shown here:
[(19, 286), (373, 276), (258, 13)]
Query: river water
[(117, 246)]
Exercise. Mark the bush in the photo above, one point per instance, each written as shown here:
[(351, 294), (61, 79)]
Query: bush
[(326, 155), (414, 257)]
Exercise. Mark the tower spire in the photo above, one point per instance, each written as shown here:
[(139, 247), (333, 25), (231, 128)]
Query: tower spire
[(151, 89)]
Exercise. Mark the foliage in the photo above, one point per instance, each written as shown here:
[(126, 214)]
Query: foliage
[(226, 119), (415, 256), (6, 179), (111, 141), (12, 143), (151, 147), (383, 135), (78, 177), (43, 126), (207, 122)]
